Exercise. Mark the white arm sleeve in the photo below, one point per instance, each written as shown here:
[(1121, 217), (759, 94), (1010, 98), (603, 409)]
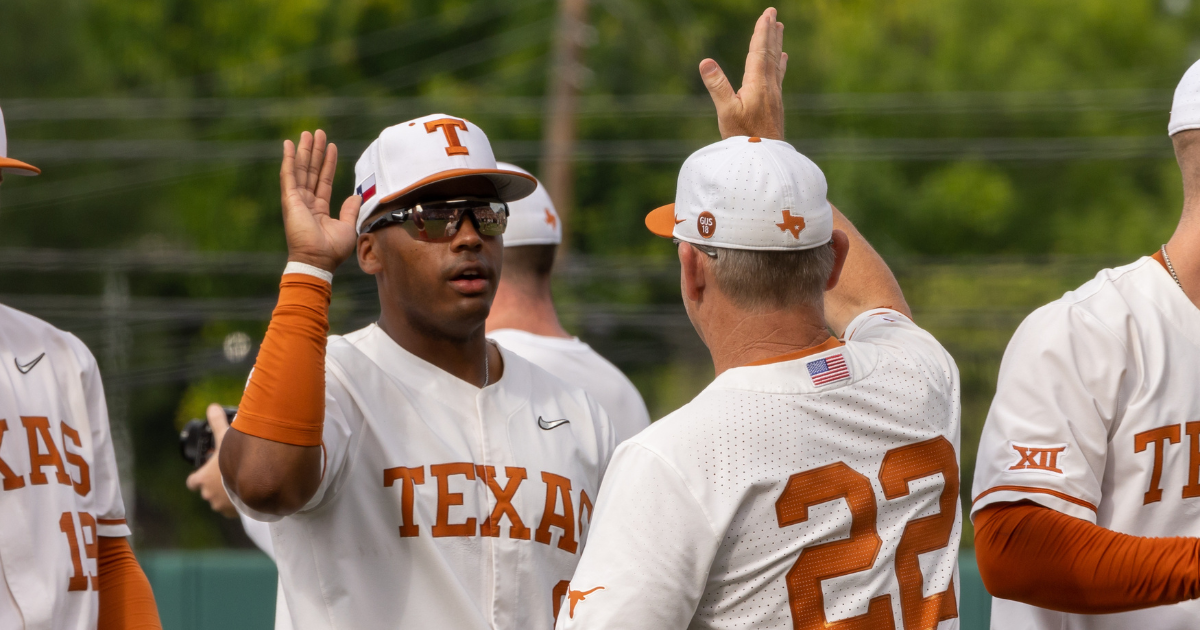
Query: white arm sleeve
[(648, 553), (1058, 395)]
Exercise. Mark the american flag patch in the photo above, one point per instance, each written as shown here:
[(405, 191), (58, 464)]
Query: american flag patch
[(828, 370)]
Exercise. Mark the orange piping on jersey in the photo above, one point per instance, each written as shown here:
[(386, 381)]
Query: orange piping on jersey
[(285, 399), (1054, 493), (1162, 261), (828, 344), (1039, 556), (110, 521), (126, 600)]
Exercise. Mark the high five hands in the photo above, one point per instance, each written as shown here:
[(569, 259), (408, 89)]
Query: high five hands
[(305, 187), (757, 108)]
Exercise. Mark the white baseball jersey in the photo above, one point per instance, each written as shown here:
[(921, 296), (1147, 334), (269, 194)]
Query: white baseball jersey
[(1097, 415), (442, 505), (819, 488), (59, 490), (260, 534), (578, 364)]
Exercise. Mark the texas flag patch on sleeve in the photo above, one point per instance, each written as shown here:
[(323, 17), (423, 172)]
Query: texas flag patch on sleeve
[(831, 368), (366, 189)]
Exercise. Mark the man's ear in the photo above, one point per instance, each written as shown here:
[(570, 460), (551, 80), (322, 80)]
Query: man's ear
[(841, 249), (691, 272), (368, 255)]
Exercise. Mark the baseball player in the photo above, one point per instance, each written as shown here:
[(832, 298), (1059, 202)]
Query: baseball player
[(1087, 483), (415, 475), (814, 482), (523, 318), (64, 560)]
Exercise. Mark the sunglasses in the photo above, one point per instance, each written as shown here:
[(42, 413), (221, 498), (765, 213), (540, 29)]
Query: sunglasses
[(441, 220)]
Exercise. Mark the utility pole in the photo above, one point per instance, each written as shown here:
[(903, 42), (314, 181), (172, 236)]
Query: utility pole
[(558, 139)]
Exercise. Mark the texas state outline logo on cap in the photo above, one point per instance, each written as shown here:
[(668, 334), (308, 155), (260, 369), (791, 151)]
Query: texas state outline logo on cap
[(748, 193), (435, 148)]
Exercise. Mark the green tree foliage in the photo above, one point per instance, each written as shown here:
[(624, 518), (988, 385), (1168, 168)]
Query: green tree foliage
[(947, 128)]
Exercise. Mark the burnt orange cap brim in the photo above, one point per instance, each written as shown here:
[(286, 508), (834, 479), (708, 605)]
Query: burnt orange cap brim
[(21, 167), (661, 221)]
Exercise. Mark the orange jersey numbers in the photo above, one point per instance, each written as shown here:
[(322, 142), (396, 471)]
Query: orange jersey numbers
[(80, 580), (859, 552)]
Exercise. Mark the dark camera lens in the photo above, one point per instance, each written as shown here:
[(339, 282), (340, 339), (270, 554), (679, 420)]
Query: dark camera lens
[(196, 442)]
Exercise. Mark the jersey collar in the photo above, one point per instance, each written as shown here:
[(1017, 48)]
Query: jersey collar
[(829, 344)]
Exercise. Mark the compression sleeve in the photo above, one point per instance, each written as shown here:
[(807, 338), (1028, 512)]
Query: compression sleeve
[(126, 601), (285, 398), (1038, 556)]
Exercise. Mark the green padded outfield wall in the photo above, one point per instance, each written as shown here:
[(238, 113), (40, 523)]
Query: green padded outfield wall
[(235, 590)]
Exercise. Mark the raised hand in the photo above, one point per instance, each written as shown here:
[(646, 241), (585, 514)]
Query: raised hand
[(757, 108), (305, 186)]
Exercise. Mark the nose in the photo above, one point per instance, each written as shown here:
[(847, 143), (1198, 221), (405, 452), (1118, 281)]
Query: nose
[(467, 237)]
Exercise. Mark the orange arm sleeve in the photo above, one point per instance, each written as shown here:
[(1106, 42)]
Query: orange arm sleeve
[(1035, 555), (285, 399), (126, 601)]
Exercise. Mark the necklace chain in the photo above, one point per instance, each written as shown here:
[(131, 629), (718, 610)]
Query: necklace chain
[(487, 377), (1171, 267)]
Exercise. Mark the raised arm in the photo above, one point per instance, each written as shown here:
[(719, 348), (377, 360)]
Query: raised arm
[(271, 457), (756, 109), (865, 283)]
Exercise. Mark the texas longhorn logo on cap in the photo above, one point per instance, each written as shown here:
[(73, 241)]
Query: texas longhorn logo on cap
[(407, 157)]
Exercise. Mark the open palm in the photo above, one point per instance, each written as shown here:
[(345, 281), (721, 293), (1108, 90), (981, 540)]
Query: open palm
[(305, 187), (757, 108)]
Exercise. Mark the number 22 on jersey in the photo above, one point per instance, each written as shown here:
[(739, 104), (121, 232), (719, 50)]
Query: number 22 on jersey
[(859, 552)]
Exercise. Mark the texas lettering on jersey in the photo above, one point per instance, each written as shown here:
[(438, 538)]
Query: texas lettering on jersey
[(559, 511), (44, 453)]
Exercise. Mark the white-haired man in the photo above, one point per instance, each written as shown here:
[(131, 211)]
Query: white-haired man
[(814, 483)]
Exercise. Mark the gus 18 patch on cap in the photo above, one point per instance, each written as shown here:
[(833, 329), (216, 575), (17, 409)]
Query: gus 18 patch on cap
[(748, 193)]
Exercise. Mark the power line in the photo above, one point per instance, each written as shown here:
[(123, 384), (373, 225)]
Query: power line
[(594, 106), (623, 151)]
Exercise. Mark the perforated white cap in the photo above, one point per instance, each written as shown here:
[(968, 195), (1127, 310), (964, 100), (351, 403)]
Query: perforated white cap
[(748, 193), (532, 220), (9, 165), (1185, 109), (434, 148)]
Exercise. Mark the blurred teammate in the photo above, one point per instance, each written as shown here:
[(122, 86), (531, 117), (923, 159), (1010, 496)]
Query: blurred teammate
[(523, 318), (1089, 462), (814, 483), (416, 475), (64, 560)]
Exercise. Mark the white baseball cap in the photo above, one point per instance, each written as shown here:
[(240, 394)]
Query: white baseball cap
[(434, 148), (9, 165), (532, 220), (1185, 109), (748, 193)]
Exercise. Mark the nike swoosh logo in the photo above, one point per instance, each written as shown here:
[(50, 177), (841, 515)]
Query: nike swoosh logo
[(24, 369), (678, 220), (546, 426)]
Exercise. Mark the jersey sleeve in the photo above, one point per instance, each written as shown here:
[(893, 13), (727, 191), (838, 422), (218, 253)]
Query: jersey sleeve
[(106, 503), (336, 438), (1058, 394), (892, 331), (648, 553)]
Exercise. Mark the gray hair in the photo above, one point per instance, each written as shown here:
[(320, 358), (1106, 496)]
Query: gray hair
[(762, 280)]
